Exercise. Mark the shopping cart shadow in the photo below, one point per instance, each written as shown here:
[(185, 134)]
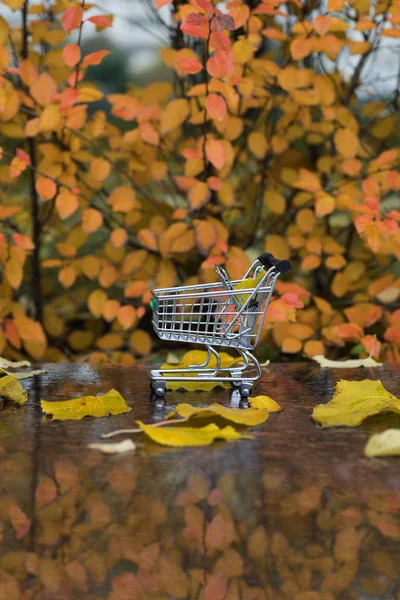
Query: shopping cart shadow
[(160, 408)]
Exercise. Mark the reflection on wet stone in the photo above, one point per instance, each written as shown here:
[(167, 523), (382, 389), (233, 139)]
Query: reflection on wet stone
[(297, 513)]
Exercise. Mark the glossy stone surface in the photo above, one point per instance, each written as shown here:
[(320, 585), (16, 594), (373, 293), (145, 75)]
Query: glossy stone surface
[(297, 513)]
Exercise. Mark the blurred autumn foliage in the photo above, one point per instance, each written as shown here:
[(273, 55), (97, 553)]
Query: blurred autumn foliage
[(268, 136)]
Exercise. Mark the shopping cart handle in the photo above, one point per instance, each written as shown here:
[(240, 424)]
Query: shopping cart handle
[(283, 266)]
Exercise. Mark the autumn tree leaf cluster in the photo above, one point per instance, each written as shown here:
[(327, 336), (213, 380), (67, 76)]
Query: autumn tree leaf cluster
[(269, 134)]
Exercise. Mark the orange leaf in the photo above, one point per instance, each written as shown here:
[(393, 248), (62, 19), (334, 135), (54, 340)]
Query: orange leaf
[(71, 54), (258, 144), (216, 106), (311, 262), (46, 491), (307, 181), (101, 21), (215, 153), (348, 331), (100, 168), (72, 18), (291, 345), (44, 89), (301, 47), (9, 211), (190, 65), (149, 134), (347, 143), (118, 238), (335, 262), (325, 204), (22, 241), (13, 273), (161, 3), (92, 220), (123, 199), (214, 183), (198, 195), (110, 309), (313, 348), (66, 203), (127, 316), (206, 234), (136, 289), (393, 33), (148, 239), (335, 5), (19, 521), (46, 188), (95, 58), (96, 302), (322, 24), (364, 314), (67, 276), (29, 330)]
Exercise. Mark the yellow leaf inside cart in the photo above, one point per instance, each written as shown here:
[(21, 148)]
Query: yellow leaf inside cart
[(190, 436), (111, 403), (11, 389), (261, 402), (353, 402), (249, 417)]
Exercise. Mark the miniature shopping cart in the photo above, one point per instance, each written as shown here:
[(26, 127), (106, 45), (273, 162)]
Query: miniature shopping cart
[(228, 314)]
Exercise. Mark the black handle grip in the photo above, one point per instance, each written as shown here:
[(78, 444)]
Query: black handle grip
[(283, 266)]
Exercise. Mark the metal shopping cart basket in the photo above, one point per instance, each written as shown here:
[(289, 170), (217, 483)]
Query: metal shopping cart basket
[(228, 314)]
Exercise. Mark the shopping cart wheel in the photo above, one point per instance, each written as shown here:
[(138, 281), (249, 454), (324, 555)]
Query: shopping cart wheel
[(159, 388), (245, 389)]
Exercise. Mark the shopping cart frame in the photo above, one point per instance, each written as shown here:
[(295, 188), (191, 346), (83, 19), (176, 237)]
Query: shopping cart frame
[(217, 315)]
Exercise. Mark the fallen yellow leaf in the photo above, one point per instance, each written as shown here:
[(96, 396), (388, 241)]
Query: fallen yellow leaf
[(346, 364), (353, 402), (11, 389), (87, 406), (190, 436), (117, 448), (249, 416), (386, 443), (261, 402)]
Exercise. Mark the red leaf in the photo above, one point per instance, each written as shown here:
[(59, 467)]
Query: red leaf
[(101, 21), (226, 22), (19, 521), (207, 6), (95, 58), (68, 97), (214, 183), (71, 54), (72, 18), (291, 300), (221, 65), (215, 153), (216, 106), (190, 65), (219, 41), (23, 241), (23, 156), (195, 31), (196, 19)]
